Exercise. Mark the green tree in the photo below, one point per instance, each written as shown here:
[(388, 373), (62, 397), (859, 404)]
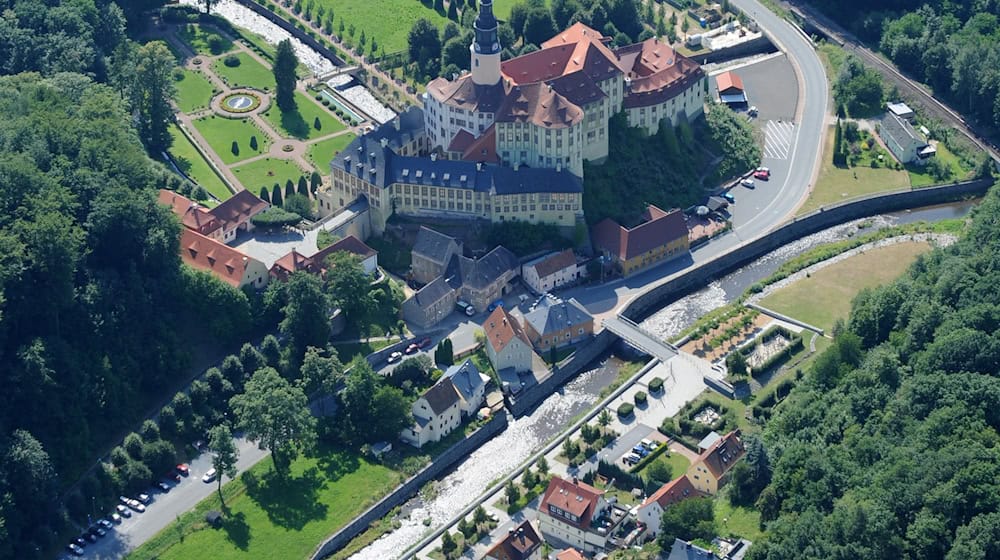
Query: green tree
[(319, 372), (424, 45), (604, 418), (235, 148), (274, 413), (736, 362), (448, 544), (453, 10), (512, 493), (689, 519), (349, 287), (276, 198), (224, 453), (151, 92), (538, 26), (265, 194), (253, 142), (299, 205), (285, 66), (659, 471), (372, 411), (315, 181), (542, 465), (306, 315), (303, 186)]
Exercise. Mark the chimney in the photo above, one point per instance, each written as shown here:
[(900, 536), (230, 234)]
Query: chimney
[(558, 167), (576, 481), (434, 156), (479, 166), (384, 142)]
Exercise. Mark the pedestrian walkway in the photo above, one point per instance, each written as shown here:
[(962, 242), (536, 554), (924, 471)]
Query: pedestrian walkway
[(779, 137)]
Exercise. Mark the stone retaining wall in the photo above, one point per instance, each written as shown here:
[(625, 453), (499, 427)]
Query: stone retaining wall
[(299, 34)]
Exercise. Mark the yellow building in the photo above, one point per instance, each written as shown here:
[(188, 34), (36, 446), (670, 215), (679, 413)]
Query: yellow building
[(711, 470), (661, 236)]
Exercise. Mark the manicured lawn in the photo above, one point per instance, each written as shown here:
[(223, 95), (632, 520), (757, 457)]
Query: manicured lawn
[(266, 172), (323, 151), (826, 295), (301, 123), (269, 513), (194, 91), (190, 162), (836, 184), (204, 41), (389, 21), (249, 73), (678, 463), (501, 8), (221, 132), (919, 177), (741, 521)]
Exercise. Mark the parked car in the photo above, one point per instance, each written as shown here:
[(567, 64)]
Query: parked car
[(144, 498), (752, 111), (80, 542), (174, 475), (210, 475), (640, 451), (163, 486), (494, 305), (395, 357), (105, 524), (137, 506), (729, 198), (466, 307), (424, 342), (631, 459), (762, 175), (748, 183), (98, 531), (90, 537), (183, 469), (649, 444), (75, 549), (123, 511), (412, 349), (117, 519)]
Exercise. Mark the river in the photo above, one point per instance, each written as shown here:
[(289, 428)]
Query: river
[(527, 435)]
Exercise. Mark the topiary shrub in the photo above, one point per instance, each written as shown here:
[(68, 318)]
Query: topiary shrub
[(625, 410), (655, 385), (640, 398), (231, 60)]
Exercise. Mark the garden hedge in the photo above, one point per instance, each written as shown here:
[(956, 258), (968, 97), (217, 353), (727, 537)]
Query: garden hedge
[(626, 410)]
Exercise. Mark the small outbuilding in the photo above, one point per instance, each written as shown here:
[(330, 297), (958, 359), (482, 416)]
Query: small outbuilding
[(731, 90)]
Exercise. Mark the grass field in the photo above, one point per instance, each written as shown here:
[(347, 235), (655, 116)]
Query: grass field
[(678, 463), (501, 8), (826, 295), (190, 162), (249, 73), (836, 184), (323, 151), (266, 172), (202, 40), (919, 177), (271, 514), (194, 91), (389, 21), (220, 133), (741, 521), (301, 122)]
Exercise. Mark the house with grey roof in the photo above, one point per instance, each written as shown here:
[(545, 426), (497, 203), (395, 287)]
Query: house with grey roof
[(431, 254), (906, 144), (471, 385), (435, 414), (553, 323), (430, 304), (483, 280)]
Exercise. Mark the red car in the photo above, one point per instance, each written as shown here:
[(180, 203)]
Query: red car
[(183, 469), (412, 349), (424, 342), (762, 173)]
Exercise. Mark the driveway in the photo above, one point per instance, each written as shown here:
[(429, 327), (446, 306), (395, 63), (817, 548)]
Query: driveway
[(166, 507)]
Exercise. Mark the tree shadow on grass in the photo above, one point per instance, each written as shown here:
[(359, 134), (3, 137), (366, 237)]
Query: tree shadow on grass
[(294, 124), (236, 528), (290, 502), (336, 464)]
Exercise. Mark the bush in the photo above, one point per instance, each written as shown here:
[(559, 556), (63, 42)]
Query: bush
[(275, 218), (640, 398), (655, 385), (231, 60), (625, 410)]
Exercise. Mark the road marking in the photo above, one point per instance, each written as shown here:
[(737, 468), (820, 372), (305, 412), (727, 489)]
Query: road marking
[(778, 138)]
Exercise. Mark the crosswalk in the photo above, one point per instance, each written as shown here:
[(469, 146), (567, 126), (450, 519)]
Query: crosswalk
[(778, 138)]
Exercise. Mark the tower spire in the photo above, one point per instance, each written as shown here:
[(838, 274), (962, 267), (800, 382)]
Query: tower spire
[(486, 47)]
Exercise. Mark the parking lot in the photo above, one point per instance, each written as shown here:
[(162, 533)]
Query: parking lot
[(770, 86)]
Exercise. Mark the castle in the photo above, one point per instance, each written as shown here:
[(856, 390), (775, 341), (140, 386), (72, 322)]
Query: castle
[(507, 141)]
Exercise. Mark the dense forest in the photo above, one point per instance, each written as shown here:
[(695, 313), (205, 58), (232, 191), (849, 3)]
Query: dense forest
[(889, 449), (952, 46)]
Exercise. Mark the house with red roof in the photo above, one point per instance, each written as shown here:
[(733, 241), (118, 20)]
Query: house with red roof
[(731, 90), (295, 261), (235, 213), (652, 508), (521, 543), (507, 345), (222, 261), (661, 236), (710, 471), (192, 215), (577, 514)]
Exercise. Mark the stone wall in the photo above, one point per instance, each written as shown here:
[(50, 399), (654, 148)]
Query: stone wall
[(529, 398), (408, 489), (295, 31), (696, 278)]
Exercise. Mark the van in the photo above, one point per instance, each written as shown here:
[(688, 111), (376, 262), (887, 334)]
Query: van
[(631, 459), (466, 307)]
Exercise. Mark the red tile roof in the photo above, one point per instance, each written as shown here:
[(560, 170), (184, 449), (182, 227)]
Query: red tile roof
[(212, 256), (461, 141), (349, 244), (465, 93), (569, 554), (540, 105), (576, 498), (238, 209), (555, 263), (676, 490), (501, 329), (519, 544), (192, 215), (591, 52), (294, 261), (656, 72), (660, 228), (727, 81), (483, 148), (723, 454)]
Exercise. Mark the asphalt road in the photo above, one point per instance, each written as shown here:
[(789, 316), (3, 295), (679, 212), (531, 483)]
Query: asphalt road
[(166, 507)]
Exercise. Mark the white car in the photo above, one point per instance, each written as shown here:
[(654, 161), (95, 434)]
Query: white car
[(748, 183), (209, 476), (123, 511), (394, 357)]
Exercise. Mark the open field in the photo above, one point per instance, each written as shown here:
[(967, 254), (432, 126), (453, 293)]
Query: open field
[(742, 521), (220, 133), (191, 163), (323, 151), (249, 73), (194, 91), (836, 184), (265, 513), (677, 463), (204, 41), (826, 295), (389, 21), (266, 172), (501, 8), (919, 176), (301, 123)]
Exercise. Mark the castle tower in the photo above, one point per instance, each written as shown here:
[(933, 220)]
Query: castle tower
[(486, 47)]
